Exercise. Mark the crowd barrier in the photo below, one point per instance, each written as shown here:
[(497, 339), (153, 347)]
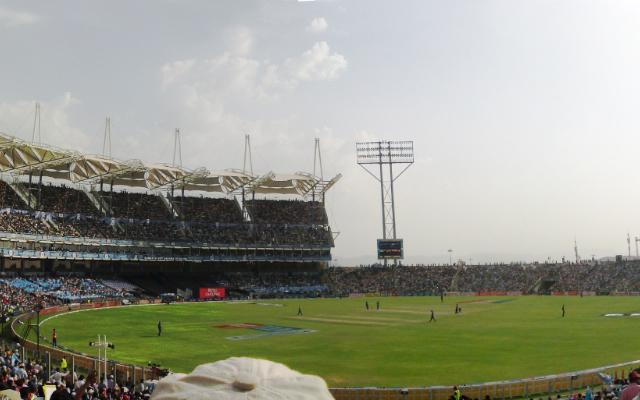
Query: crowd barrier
[(79, 361), (505, 293), (244, 254), (95, 242), (451, 294), (625, 294), (461, 294), (517, 388)]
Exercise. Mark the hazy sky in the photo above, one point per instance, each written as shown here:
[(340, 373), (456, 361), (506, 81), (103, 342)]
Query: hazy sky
[(525, 114)]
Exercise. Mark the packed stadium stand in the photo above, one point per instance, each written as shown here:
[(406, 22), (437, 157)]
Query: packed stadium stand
[(287, 212), (9, 198), (22, 291), (62, 212), (135, 205), (62, 199), (208, 210)]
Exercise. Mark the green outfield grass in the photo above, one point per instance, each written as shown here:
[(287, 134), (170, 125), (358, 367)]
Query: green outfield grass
[(492, 339)]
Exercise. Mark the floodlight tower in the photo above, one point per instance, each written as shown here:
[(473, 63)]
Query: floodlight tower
[(385, 154)]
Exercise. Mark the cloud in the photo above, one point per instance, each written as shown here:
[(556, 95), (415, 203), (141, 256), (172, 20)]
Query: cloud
[(220, 98), (318, 25), (365, 136), (56, 127), (10, 18), (175, 70), (317, 63), (234, 73), (241, 41), (226, 74)]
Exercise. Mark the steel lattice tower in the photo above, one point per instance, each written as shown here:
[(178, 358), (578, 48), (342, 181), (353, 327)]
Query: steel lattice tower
[(385, 154)]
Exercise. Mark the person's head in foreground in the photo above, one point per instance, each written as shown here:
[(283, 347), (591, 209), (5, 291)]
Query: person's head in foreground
[(242, 378)]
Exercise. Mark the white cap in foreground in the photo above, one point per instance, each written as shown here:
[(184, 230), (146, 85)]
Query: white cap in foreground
[(243, 378)]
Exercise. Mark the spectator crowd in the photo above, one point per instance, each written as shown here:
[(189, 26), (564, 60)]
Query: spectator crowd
[(31, 378), (598, 278), (22, 293), (69, 212), (26, 293)]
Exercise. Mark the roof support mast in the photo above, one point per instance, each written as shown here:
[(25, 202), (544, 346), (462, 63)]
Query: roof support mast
[(36, 125), (247, 152), (106, 141), (177, 154), (317, 165), (248, 158), (36, 128), (106, 152), (177, 149)]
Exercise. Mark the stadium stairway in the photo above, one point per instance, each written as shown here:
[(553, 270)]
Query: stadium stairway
[(22, 192), (543, 285), (52, 225), (98, 202), (245, 212), (154, 284), (173, 210), (454, 280), (535, 288)]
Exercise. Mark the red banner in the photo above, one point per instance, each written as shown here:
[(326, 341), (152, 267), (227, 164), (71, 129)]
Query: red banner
[(211, 293)]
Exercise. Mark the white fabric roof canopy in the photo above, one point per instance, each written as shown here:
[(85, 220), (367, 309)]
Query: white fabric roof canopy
[(207, 181), (298, 183), (20, 157)]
